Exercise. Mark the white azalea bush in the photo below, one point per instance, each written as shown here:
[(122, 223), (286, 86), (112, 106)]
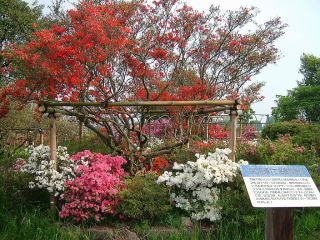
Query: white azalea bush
[(39, 165), (196, 185), (154, 142)]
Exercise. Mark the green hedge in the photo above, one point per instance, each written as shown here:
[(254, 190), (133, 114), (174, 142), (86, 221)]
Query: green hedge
[(309, 137), (272, 131), (306, 135)]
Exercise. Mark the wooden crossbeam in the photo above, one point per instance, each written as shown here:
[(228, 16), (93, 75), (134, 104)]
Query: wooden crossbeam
[(141, 103)]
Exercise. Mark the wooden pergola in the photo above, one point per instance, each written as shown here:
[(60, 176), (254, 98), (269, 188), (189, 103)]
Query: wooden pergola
[(228, 106)]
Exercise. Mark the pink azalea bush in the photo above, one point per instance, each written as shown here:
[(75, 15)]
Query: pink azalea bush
[(93, 193), (250, 133), (157, 128)]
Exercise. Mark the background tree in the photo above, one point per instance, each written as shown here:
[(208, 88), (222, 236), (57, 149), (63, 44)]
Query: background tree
[(286, 108), (302, 102), (310, 69), (17, 22), (251, 94), (135, 51), (21, 127)]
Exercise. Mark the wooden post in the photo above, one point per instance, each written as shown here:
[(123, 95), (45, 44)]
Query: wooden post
[(189, 132), (279, 224), (233, 134), (207, 130), (41, 136), (80, 130), (241, 126), (53, 152)]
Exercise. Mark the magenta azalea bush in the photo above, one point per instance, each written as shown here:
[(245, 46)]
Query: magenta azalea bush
[(250, 133), (93, 192)]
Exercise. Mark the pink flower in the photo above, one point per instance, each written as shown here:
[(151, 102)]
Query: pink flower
[(300, 149), (93, 193)]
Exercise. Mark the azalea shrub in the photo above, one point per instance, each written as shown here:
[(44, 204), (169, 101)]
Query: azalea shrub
[(204, 147), (40, 166), (160, 163), (250, 133), (154, 142), (144, 199), (217, 131), (195, 186), (281, 151), (285, 151), (249, 150), (309, 137), (158, 128), (93, 193), (196, 146)]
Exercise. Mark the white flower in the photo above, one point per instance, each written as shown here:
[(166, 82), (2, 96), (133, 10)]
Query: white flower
[(153, 142), (196, 183), (40, 166)]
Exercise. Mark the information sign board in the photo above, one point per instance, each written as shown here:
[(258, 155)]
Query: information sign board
[(280, 186)]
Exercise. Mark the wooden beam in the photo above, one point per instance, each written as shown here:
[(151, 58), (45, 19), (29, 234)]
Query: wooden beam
[(155, 112), (140, 103)]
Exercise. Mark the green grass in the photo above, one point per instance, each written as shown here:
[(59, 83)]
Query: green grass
[(307, 227), (307, 224), (41, 225), (36, 225), (193, 234)]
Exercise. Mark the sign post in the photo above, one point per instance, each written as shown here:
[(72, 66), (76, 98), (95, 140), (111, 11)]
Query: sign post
[(280, 188)]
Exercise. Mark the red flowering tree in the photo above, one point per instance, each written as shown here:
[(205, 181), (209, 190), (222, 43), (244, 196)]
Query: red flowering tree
[(136, 51)]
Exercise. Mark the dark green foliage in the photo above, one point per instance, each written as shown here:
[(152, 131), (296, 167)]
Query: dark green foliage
[(15, 193), (309, 137), (17, 19), (273, 131), (236, 206), (14, 190), (182, 156), (307, 102), (306, 135), (16, 26), (287, 108), (144, 199), (88, 142), (314, 170)]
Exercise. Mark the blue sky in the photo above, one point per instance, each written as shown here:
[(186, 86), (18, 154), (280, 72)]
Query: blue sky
[(301, 36)]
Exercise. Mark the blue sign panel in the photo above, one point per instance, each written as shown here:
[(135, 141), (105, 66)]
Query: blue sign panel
[(274, 171)]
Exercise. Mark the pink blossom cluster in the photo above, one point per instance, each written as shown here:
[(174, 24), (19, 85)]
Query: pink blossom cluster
[(18, 164), (157, 128), (93, 193), (300, 149), (250, 133)]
